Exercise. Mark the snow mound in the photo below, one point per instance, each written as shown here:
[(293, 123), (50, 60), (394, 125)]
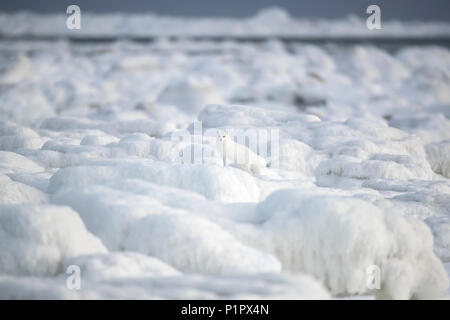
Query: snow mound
[(255, 286), (55, 159), (148, 126), (439, 157), (26, 108), (216, 115), (13, 137), (11, 162), (297, 156), (97, 140), (36, 240), (159, 224), (19, 68), (143, 146), (336, 239), (190, 94), (195, 245), (115, 265), (12, 192), (379, 166), (107, 212), (225, 184), (34, 288), (441, 231)]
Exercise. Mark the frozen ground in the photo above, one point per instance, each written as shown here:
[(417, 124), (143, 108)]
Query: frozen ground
[(90, 172)]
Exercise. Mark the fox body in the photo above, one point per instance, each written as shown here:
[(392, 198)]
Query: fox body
[(231, 152)]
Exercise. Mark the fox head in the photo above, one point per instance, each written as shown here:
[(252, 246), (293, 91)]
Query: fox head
[(222, 135)]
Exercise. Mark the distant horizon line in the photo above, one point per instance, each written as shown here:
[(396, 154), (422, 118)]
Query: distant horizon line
[(231, 17)]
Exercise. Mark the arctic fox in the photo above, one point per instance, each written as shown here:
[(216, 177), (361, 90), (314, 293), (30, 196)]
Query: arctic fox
[(235, 153)]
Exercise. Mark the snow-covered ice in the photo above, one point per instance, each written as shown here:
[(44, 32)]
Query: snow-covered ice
[(95, 171), (267, 22)]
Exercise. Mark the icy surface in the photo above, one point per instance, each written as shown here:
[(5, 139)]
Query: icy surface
[(93, 172), (36, 240), (268, 22)]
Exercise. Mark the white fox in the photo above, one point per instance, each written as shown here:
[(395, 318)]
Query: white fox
[(235, 153)]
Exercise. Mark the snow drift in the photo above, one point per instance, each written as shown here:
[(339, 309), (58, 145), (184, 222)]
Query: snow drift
[(36, 240), (337, 239)]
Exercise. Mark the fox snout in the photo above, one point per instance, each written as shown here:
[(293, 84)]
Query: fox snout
[(221, 137)]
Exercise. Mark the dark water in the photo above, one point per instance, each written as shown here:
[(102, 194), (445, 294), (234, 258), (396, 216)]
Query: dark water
[(390, 44)]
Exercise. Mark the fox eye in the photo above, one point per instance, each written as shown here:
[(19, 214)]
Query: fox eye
[(224, 136)]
